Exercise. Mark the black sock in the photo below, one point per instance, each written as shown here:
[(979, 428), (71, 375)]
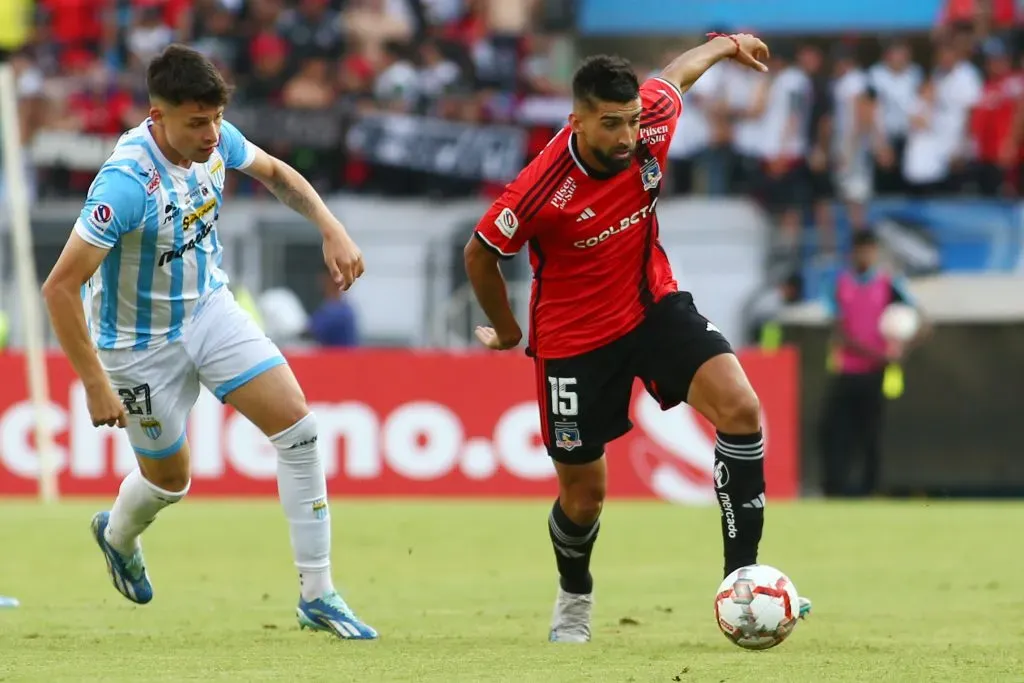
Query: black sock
[(739, 485), (573, 545)]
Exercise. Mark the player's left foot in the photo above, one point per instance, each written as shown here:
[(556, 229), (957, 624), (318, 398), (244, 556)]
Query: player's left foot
[(571, 620), (127, 573), (331, 614), (805, 607)]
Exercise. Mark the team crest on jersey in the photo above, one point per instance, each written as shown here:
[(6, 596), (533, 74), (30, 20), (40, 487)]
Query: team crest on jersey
[(567, 436), (101, 217), (650, 174), (151, 428)]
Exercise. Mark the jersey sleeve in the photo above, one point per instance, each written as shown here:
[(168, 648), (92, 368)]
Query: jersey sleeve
[(662, 103), (115, 205), (238, 152), (503, 229)]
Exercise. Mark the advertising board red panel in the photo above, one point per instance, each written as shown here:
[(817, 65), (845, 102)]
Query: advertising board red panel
[(403, 423)]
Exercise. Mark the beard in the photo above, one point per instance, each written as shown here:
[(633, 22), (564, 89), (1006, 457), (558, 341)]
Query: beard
[(611, 163)]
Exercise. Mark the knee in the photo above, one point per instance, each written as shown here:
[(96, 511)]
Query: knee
[(740, 413), (173, 484), (299, 439), (583, 501)]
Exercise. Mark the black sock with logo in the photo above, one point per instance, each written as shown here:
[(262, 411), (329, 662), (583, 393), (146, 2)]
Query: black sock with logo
[(739, 487), (573, 546)]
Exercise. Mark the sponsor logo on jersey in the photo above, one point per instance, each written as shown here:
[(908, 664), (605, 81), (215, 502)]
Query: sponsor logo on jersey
[(612, 230), (507, 222), (564, 194), (173, 254), (154, 181), (654, 134), (101, 217), (198, 214)]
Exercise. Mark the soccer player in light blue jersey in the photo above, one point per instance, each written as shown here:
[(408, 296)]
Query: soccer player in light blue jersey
[(160, 322)]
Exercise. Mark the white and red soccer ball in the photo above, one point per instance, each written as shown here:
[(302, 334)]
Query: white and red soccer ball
[(757, 607)]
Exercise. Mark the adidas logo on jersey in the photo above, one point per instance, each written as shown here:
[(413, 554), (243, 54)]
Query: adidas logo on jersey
[(587, 214), (712, 328)]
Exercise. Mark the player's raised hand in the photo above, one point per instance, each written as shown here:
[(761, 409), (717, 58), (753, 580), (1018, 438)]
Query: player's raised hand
[(751, 51), (343, 258), (105, 408), (492, 340)]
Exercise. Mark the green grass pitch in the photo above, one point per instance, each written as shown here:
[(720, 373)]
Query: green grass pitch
[(906, 591)]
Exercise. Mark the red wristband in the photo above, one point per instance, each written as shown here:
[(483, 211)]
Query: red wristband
[(712, 36)]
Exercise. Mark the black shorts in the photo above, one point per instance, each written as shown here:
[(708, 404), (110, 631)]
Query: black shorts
[(584, 400)]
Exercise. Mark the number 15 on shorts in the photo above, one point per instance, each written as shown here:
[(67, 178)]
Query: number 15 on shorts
[(564, 402)]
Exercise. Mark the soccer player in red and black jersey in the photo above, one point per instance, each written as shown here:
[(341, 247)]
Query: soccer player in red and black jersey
[(606, 309)]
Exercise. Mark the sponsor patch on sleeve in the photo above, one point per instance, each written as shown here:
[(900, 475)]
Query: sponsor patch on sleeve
[(507, 222), (101, 217)]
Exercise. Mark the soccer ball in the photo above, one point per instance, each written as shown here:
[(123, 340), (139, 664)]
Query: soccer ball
[(757, 607), (899, 323)]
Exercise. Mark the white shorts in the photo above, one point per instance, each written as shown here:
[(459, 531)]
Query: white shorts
[(220, 347)]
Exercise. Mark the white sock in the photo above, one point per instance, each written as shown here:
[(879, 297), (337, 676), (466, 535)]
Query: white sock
[(302, 487), (136, 506)]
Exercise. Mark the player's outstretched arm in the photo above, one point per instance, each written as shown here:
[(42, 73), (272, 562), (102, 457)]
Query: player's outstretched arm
[(742, 47), (343, 258), (62, 293), (489, 286)]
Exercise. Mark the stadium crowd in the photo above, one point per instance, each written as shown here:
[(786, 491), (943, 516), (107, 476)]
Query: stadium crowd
[(835, 120)]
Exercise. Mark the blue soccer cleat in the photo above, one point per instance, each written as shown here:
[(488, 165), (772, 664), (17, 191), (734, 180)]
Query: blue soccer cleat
[(330, 613), (805, 607), (127, 573)]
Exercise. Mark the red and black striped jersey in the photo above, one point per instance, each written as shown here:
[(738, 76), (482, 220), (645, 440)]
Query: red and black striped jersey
[(593, 239)]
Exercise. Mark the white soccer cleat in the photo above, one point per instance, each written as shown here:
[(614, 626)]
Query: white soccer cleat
[(805, 607), (571, 620)]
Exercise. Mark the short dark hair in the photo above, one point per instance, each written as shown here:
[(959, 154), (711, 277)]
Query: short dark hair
[(180, 74), (865, 237), (605, 78)]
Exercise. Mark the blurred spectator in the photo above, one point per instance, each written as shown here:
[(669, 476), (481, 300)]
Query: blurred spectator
[(896, 81), (269, 56), (957, 89), (853, 135), (312, 30), (784, 144), (374, 23), (333, 323), (995, 123), (927, 163), (147, 37), (820, 186), (310, 88), (436, 73), (397, 85)]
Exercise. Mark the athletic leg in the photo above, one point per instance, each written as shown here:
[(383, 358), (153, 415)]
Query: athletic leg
[(158, 389), (243, 368), (689, 360), (584, 403)]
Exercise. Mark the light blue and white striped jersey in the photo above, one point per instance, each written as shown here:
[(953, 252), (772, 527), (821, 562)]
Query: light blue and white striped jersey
[(159, 222)]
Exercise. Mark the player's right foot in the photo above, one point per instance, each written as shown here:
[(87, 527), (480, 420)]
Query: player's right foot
[(330, 613), (128, 574), (571, 620), (805, 607)]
